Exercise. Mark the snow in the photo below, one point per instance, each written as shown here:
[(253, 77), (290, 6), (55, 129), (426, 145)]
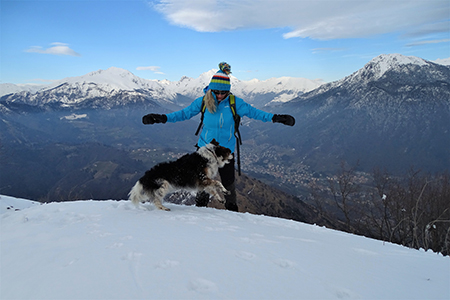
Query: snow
[(385, 62), (114, 80), (74, 117), (443, 61), (10, 88), (111, 79), (112, 250)]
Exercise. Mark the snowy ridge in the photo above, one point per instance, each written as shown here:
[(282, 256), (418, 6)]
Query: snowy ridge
[(115, 81), (10, 88), (378, 67), (125, 87), (388, 61), (113, 78), (111, 250)]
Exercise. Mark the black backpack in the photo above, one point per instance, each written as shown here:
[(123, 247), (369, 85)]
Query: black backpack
[(237, 121)]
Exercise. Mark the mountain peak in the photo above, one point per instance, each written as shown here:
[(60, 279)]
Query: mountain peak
[(111, 78), (111, 71), (380, 65), (389, 61)]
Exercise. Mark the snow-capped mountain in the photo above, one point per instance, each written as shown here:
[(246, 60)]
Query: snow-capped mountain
[(104, 88), (256, 92), (10, 88), (395, 111), (397, 69), (118, 87)]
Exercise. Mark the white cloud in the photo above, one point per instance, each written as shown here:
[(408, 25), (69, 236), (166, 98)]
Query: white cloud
[(56, 49), (420, 43), (316, 19), (154, 69)]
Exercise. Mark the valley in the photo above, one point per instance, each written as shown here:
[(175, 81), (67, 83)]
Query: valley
[(83, 138)]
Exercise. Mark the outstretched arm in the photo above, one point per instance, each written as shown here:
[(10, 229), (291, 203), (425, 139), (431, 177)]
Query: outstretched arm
[(186, 113), (245, 109), (181, 115)]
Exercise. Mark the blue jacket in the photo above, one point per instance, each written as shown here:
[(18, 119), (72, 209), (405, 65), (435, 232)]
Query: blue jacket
[(220, 125)]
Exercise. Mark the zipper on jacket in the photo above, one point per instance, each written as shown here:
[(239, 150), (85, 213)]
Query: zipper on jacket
[(221, 120)]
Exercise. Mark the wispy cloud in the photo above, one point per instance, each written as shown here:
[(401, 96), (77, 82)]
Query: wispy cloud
[(421, 43), (55, 49), (154, 69), (323, 20)]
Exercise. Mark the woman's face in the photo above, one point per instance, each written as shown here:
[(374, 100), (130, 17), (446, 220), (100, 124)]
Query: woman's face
[(220, 95)]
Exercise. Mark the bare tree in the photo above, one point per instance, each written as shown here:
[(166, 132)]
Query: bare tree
[(342, 187)]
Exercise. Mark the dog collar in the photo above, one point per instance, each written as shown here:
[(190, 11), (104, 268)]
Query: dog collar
[(213, 153)]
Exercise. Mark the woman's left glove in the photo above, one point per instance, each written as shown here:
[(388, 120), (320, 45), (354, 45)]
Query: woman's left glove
[(154, 118), (284, 119)]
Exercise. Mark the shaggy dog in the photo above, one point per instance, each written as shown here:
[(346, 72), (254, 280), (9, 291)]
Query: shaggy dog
[(194, 171)]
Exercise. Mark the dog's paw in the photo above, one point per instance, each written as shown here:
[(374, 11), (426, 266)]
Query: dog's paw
[(162, 207), (218, 198)]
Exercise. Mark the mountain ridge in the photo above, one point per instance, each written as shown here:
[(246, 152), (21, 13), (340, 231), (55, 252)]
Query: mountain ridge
[(397, 112), (114, 81)]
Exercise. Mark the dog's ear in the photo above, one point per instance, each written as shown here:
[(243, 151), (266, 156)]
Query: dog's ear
[(222, 151), (214, 142)]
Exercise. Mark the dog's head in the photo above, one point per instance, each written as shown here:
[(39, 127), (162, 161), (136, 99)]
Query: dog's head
[(222, 154)]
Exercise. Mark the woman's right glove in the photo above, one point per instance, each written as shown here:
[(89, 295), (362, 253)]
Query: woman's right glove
[(154, 118), (284, 119)]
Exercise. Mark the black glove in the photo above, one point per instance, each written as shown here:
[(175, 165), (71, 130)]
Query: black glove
[(154, 118), (284, 119)]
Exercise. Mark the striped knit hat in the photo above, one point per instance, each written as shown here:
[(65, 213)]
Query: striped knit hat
[(221, 81)]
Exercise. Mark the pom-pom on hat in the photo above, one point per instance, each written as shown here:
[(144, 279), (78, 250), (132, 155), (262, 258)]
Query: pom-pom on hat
[(221, 81)]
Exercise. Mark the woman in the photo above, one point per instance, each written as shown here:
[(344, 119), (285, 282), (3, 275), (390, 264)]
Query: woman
[(219, 124)]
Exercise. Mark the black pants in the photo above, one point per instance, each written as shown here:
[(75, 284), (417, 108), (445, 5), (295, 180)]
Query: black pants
[(227, 176)]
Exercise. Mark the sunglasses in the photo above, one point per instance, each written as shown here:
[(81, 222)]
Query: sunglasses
[(220, 92)]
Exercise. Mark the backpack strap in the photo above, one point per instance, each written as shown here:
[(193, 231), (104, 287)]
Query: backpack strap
[(237, 134), (202, 110), (237, 122)]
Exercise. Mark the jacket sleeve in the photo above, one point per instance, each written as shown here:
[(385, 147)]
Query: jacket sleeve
[(245, 109), (186, 113)]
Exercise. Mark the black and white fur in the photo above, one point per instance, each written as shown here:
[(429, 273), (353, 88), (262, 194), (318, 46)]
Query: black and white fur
[(194, 171)]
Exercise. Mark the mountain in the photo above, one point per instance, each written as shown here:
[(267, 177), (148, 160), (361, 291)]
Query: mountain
[(257, 92), (82, 134), (114, 87), (394, 113), (101, 89), (112, 250)]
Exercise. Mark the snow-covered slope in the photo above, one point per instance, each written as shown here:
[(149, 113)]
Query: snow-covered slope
[(396, 69), (10, 88), (111, 250), (103, 88)]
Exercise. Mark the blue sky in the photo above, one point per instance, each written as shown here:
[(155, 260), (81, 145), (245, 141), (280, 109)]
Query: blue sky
[(43, 41)]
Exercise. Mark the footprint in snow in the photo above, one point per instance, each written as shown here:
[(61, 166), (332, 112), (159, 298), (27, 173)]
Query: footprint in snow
[(166, 264), (285, 263), (202, 285), (245, 255)]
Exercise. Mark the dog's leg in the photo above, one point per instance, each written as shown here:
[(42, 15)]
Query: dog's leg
[(159, 195), (215, 189), (136, 194)]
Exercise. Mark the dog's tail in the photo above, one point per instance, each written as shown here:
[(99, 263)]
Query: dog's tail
[(136, 194)]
